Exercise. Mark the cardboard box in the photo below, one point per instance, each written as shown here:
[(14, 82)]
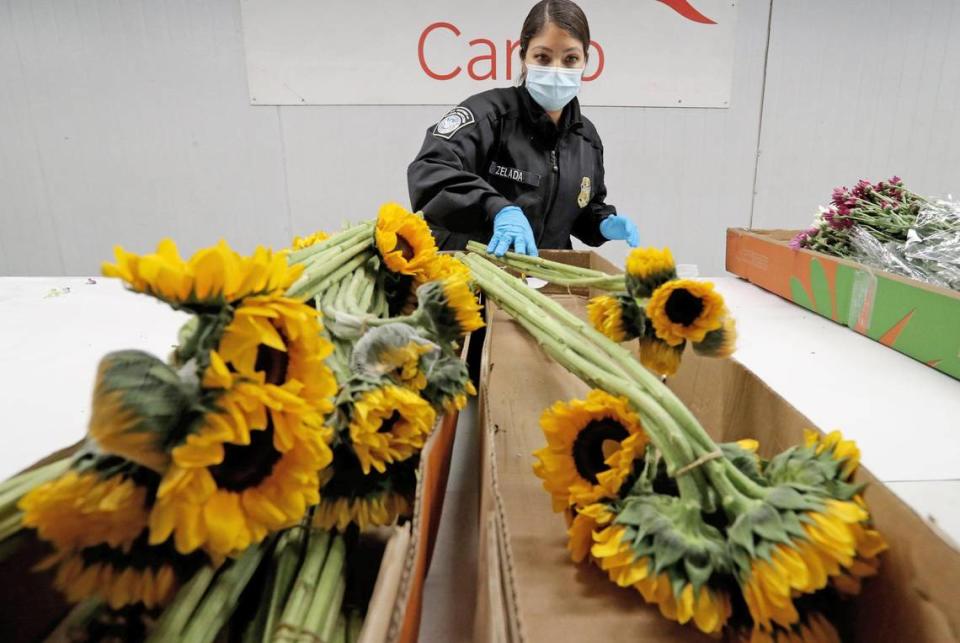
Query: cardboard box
[(30, 607), (531, 591), (917, 319)]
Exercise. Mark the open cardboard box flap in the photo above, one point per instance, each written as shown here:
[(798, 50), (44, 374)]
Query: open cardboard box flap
[(531, 591)]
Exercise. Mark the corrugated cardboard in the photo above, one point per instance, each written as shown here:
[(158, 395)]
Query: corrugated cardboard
[(531, 591), (917, 319)]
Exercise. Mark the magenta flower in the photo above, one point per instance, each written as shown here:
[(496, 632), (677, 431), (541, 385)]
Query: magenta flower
[(840, 196), (799, 241)]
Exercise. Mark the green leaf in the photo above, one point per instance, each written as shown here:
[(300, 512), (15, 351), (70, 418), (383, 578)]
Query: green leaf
[(741, 533), (767, 523), (784, 497)]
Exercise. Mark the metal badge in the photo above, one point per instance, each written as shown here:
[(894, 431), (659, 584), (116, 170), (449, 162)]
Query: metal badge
[(584, 197)]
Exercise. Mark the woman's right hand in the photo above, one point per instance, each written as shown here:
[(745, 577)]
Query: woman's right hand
[(511, 228)]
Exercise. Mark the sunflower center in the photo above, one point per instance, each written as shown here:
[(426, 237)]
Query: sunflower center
[(405, 248), (273, 363), (594, 444), (389, 423), (246, 465), (683, 307)]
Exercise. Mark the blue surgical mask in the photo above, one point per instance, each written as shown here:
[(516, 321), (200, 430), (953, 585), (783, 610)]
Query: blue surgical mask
[(553, 87)]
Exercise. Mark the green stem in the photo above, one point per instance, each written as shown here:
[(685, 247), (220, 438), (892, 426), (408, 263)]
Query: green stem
[(340, 632), (10, 525), (341, 238), (286, 559), (326, 600), (316, 277), (354, 626), (303, 590), (564, 347), (176, 616), (555, 272), (77, 620), (219, 603), (621, 356)]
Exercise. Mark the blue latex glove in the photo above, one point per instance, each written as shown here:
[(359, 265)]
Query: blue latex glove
[(511, 228), (617, 228)]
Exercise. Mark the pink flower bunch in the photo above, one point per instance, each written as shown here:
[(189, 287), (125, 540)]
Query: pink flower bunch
[(803, 239)]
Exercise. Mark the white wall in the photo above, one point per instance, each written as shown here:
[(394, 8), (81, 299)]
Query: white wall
[(124, 121)]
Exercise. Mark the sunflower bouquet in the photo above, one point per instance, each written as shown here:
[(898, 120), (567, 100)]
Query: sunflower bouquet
[(647, 303), (288, 419), (712, 534)]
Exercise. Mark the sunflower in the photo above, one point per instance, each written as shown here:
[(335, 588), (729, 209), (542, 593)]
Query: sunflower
[(299, 243), (83, 509), (708, 608), (394, 350), (829, 550), (812, 628), (244, 473), (721, 342), (618, 318), (138, 403), (135, 574), (212, 276), (407, 364), (585, 522), (277, 341), (660, 357), (349, 496), (845, 451), (589, 450), (443, 266), (404, 241), (448, 381), (389, 424), (685, 309), (449, 307), (648, 269), (870, 543)]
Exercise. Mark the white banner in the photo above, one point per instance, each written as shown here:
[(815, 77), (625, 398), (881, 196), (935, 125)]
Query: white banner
[(659, 53)]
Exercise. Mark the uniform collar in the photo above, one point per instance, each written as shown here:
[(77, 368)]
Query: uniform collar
[(570, 119)]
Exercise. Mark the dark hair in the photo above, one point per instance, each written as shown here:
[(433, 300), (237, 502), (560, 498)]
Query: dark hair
[(565, 14)]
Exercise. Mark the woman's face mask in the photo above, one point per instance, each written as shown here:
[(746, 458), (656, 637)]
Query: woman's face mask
[(553, 87)]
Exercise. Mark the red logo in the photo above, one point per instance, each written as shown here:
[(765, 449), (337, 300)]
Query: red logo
[(687, 10)]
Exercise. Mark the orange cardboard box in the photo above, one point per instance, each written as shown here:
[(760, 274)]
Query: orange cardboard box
[(917, 319)]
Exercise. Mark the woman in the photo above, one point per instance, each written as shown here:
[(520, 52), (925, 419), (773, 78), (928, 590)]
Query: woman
[(520, 167)]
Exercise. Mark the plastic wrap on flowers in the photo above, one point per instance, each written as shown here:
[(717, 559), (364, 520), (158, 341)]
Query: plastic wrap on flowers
[(886, 226)]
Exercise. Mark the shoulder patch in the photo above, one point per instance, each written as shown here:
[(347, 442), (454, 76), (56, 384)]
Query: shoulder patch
[(453, 121)]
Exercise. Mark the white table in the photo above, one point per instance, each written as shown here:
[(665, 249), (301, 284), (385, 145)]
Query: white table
[(53, 333)]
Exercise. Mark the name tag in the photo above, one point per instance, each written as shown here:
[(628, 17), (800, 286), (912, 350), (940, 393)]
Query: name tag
[(512, 173)]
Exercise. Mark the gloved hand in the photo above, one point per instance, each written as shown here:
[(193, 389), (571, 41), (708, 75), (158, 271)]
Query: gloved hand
[(511, 228), (617, 228)]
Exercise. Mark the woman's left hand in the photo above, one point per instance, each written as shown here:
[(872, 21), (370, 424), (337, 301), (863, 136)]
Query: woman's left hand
[(618, 228)]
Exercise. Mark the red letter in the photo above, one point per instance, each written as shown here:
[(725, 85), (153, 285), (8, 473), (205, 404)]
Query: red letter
[(596, 74), (492, 57), (511, 47), (423, 59)]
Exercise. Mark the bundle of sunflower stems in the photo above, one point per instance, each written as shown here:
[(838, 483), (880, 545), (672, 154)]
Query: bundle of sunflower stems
[(224, 491), (648, 303), (734, 544)]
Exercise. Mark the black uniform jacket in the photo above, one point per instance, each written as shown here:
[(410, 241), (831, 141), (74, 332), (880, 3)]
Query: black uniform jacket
[(500, 148)]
